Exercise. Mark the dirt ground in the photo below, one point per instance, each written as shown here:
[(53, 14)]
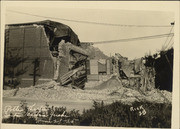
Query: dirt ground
[(108, 91)]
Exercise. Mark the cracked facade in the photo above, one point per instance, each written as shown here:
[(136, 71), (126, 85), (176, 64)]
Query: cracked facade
[(54, 46)]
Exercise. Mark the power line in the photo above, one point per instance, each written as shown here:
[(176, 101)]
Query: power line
[(169, 42), (165, 46), (171, 45), (133, 39), (88, 22)]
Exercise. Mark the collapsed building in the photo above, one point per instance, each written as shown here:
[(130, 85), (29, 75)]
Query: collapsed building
[(146, 73), (40, 51), (136, 72)]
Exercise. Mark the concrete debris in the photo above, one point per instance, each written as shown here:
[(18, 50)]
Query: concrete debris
[(112, 84), (112, 91)]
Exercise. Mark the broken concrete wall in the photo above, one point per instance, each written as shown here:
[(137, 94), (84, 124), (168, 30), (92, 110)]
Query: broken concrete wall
[(135, 71), (102, 67), (98, 69), (63, 62), (70, 64), (39, 40), (29, 43), (55, 31)]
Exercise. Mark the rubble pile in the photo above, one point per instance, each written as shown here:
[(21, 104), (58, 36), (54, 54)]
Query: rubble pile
[(111, 84), (52, 91), (108, 91), (96, 84), (127, 95), (91, 84)]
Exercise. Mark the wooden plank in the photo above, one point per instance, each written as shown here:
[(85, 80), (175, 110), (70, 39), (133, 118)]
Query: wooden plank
[(72, 72), (66, 78), (65, 82)]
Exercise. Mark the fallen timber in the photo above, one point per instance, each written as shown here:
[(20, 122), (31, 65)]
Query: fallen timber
[(71, 65)]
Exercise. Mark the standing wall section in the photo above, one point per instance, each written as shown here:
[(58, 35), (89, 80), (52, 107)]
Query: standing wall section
[(108, 66), (30, 42), (93, 70), (93, 66), (64, 62)]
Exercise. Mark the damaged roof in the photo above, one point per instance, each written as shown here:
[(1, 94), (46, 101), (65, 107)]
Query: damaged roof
[(55, 30)]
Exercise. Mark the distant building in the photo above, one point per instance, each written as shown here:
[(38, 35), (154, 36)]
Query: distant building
[(98, 64)]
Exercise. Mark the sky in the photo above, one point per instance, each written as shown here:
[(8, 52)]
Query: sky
[(94, 33)]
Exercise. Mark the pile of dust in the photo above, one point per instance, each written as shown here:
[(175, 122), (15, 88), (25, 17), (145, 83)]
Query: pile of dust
[(110, 85), (8, 93), (53, 91), (109, 91), (91, 84), (167, 94), (127, 95), (31, 92), (158, 96)]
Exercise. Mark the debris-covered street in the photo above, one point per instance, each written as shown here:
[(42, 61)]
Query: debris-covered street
[(51, 91)]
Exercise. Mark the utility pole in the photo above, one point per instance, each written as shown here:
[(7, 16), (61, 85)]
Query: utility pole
[(172, 23), (36, 68)]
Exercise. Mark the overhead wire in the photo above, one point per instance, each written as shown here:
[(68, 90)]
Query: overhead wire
[(171, 45), (165, 45), (116, 25), (88, 22), (169, 42), (133, 39), (109, 24), (166, 48)]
